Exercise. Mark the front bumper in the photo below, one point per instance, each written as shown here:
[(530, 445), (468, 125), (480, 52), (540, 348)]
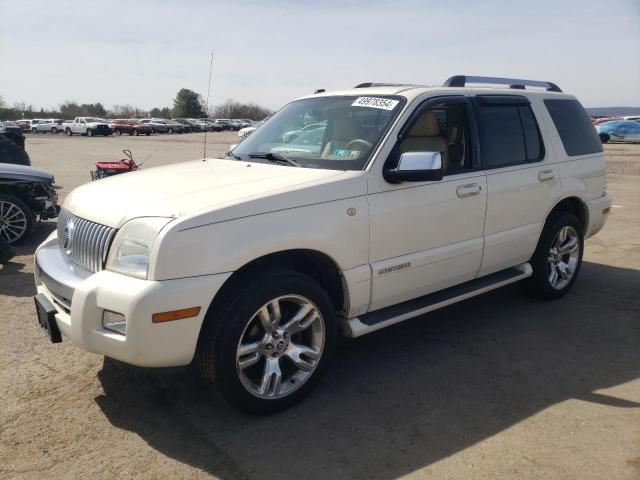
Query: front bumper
[(80, 298)]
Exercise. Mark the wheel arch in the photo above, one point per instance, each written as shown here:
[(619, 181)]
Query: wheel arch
[(317, 265), (571, 204), (313, 263)]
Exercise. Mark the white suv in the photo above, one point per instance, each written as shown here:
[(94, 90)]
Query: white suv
[(411, 198), (47, 125)]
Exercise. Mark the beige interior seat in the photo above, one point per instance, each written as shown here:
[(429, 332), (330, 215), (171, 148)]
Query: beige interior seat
[(425, 137), (344, 130)]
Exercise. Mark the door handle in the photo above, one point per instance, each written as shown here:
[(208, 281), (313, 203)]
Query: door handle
[(545, 175), (468, 190)]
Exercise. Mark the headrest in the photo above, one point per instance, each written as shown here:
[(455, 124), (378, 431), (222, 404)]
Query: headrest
[(346, 128), (426, 126)]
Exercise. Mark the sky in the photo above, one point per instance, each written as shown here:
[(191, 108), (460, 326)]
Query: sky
[(270, 52)]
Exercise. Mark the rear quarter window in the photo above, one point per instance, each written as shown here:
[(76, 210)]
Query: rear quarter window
[(576, 131)]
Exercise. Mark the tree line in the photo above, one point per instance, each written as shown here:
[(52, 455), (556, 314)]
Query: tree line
[(186, 104)]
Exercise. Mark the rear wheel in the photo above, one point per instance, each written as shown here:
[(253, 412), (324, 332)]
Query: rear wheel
[(68, 132), (136, 133), (267, 344), (117, 132), (54, 130), (604, 138), (170, 130), (89, 132), (16, 220), (33, 130), (558, 257)]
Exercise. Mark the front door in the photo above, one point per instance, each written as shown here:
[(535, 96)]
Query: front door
[(427, 236)]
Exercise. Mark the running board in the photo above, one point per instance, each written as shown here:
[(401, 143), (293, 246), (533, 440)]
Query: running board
[(372, 321)]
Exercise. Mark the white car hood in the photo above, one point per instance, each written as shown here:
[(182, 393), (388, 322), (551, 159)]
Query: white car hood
[(189, 188)]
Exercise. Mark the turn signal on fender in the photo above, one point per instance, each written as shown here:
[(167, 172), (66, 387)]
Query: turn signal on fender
[(175, 315)]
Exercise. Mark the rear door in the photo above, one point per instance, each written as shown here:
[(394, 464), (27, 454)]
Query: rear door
[(522, 181)]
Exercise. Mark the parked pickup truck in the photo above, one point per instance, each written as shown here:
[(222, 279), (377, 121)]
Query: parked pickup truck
[(249, 266), (88, 126)]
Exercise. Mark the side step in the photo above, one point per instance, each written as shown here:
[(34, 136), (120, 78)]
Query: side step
[(372, 321)]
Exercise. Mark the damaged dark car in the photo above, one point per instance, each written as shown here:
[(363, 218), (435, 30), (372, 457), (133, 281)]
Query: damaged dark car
[(27, 195)]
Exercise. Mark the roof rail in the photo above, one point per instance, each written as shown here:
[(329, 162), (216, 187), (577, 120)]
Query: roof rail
[(462, 80), (372, 84)]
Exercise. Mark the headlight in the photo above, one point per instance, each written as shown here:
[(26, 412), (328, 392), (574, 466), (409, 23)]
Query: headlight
[(130, 250)]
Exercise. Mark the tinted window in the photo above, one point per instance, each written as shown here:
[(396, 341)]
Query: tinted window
[(574, 127), (509, 135), (531, 135)]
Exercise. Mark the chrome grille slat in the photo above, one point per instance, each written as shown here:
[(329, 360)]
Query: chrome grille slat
[(90, 241)]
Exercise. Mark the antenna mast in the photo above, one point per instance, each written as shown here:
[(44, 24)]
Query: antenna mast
[(204, 153)]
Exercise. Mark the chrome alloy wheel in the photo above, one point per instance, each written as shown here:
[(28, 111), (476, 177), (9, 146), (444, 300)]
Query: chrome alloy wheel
[(13, 221), (280, 347), (563, 257)]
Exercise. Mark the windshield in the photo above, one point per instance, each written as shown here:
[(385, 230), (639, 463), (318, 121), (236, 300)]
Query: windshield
[(338, 133)]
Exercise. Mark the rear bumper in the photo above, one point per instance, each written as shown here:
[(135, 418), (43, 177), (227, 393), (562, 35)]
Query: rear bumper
[(81, 297), (599, 209)]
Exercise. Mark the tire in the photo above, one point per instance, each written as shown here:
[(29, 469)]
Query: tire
[(235, 321), (117, 132), (135, 132), (54, 130), (170, 131), (33, 130), (604, 138), (546, 259), (16, 219), (68, 132), (89, 132)]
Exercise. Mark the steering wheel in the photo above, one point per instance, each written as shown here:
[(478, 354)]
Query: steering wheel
[(359, 141)]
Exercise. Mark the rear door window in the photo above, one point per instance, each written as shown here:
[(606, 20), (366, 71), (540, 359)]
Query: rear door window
[(574, 127), (509, 133)]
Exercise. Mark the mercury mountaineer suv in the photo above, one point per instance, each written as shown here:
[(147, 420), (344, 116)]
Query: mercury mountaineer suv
[(407, 199)]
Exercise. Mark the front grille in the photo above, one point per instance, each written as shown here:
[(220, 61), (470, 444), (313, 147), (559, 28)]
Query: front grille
[(85, 243)]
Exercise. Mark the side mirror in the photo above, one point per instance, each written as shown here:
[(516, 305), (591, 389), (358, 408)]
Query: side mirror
[(416, 167)]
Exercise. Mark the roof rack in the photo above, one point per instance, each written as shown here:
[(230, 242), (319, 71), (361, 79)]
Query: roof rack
[(372, 84), (515, 83)]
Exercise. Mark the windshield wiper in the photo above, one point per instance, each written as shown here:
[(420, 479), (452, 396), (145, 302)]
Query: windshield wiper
[(233, 155), (275, 158)]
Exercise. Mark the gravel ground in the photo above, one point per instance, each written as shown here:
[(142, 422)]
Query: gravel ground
[(500, 386)]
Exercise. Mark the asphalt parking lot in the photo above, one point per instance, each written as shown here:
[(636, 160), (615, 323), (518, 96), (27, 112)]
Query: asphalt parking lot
[(499, 386)]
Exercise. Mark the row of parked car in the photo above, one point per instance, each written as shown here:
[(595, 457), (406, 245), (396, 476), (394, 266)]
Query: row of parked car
[(91, 126), (618, 129)]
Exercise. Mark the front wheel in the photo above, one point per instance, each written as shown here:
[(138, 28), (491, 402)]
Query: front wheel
[(16, 220), (54, 130), (68, 132), (558, 257), (267, 344), (604, 138)]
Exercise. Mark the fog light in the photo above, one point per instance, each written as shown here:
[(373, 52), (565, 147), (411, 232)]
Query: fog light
[(115, 322)]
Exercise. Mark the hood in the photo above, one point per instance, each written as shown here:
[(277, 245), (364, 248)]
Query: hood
[(22, 173), (188, 188)]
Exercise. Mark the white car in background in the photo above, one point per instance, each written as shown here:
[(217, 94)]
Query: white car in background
[(292, 134), (51, 125)]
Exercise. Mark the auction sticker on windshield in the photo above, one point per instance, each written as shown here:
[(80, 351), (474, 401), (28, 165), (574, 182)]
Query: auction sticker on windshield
[(374, 102)]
